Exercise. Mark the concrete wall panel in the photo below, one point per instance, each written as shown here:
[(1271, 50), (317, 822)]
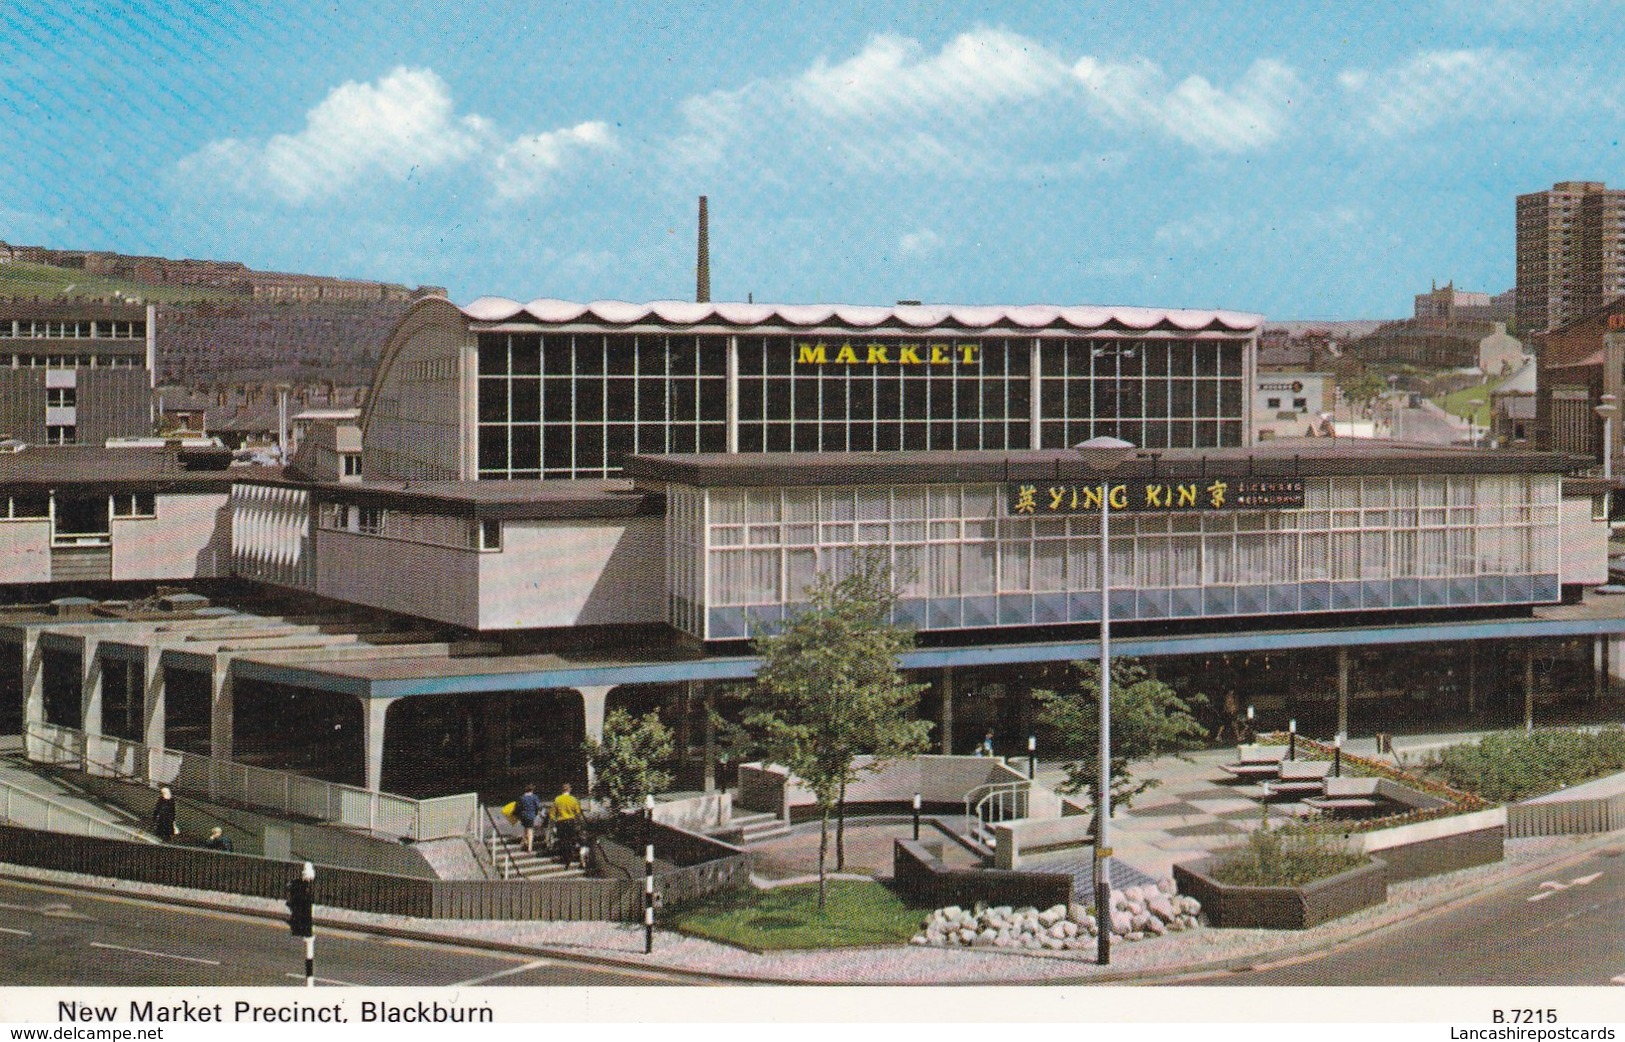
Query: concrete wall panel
[(575, 574), (189, 539), (428, 582), (25, 551)]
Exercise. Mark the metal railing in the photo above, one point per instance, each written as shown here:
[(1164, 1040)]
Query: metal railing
[(498, 845), (32, 810), (258, 787), (987, 805)]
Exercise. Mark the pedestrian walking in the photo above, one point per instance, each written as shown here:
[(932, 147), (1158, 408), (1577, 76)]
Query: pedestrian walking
[(529, 808), (163, 816), (566, 817), (986, 748), (218, 840)]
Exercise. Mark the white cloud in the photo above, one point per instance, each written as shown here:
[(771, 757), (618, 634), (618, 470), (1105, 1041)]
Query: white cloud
[(1451, 86), (919, 243), (398, 128), (889, 106), (1196, 232), (1137, 95), (989, 101), (890, 78), (525, 167)]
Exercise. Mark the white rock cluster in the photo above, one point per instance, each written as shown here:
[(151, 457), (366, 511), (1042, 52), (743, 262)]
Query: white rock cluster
[(1136, 914)]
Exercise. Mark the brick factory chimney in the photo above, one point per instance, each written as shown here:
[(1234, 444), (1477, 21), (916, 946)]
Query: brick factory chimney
[(702, 274)]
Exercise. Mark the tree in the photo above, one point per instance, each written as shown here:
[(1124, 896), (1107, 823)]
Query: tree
[(624, 761), (829, 690), (1149, 719)]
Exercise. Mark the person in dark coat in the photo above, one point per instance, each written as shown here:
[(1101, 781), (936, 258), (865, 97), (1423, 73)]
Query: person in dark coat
[(163, 816), (218, 840), (529, 808)]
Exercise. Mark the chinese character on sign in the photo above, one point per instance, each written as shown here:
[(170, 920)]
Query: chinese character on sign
[(1025, 499)]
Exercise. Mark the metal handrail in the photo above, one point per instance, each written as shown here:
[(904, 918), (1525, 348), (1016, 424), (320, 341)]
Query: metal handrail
[(10, 794), (277, 790), (85, 761), (506, 866), (993, 802)]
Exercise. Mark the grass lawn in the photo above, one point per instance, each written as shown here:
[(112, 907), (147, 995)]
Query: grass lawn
[(1459, 403), (24, 279), (856, 912)]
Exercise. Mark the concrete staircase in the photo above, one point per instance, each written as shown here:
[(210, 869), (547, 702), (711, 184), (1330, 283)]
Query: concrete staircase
[(757, 826), (534, 865)]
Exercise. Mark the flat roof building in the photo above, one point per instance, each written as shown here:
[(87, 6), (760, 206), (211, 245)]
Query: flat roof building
[(564, 507)]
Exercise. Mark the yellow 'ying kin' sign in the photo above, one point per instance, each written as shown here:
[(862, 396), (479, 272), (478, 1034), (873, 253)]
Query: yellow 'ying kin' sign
[(847, 353)]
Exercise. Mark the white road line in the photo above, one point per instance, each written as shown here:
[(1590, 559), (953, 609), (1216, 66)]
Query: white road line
[(156, 955), (325, 980), (1618, 980), (19, 933), (1543, 895), (510, 971), (1583, 880)]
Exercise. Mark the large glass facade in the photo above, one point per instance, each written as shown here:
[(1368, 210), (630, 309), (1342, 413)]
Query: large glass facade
[(575, 405), (962, 561), (918, 394), (1156, 394)]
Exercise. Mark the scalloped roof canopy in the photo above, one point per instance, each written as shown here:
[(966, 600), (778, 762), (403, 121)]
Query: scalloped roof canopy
[(931, 316)]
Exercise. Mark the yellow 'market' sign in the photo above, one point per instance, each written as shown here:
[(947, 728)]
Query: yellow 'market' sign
[(847, 353)]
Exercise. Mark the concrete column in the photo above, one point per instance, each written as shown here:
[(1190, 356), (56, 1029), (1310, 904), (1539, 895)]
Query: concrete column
[(221, 709), (90, 688), (152, 708), (373, 715), (1035, 396), (1599, 668), (947, 684), (733, 394), (1343, 690), (1529, 688), (593, 700), (33, 683), (710, 740)]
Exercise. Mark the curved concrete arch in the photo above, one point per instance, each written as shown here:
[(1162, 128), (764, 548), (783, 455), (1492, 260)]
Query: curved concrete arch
[(437, 329)]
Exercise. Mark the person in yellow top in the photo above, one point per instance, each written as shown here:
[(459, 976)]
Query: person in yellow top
[(566, 817)]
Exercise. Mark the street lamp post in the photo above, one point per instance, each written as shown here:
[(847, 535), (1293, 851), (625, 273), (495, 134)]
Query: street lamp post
[(1477, 404), (1104, 454)]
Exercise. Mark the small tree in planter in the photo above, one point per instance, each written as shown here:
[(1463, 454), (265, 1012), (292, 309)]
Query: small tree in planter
[(624, 762), (829, 690), (1149, 719)]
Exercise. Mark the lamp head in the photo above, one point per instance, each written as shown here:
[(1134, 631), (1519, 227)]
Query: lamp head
[(1104, 452)]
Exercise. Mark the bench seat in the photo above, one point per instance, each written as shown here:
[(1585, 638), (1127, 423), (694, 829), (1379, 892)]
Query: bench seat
[(1251, 771)]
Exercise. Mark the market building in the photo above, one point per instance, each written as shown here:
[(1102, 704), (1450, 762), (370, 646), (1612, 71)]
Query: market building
[(563, 508)]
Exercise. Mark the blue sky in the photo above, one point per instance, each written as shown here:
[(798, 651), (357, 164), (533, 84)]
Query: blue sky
[(1282, 158)]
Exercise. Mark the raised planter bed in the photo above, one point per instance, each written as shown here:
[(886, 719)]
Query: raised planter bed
[(1283, 907), (919, 874)]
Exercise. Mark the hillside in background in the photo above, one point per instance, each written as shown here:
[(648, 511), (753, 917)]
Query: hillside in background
[(220, 323)]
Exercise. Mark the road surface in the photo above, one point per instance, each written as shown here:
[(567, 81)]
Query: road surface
[(1563, 928), (57, 935)]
